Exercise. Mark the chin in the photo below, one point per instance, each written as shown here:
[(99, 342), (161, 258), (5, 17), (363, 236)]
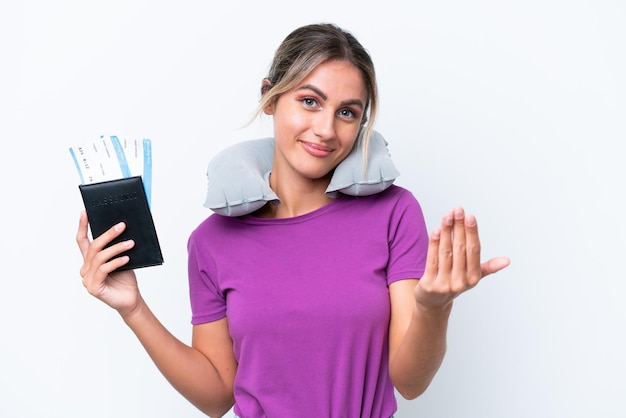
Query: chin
[(318, 174)]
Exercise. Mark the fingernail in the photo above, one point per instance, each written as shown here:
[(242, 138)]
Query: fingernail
[(447, 220), (470, 220), (436, 234), (119, 226), (458, 213)]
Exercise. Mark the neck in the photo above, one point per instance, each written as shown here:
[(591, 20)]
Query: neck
[(297, 196)]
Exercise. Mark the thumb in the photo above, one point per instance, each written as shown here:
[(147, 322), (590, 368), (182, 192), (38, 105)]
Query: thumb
[(494, 265)]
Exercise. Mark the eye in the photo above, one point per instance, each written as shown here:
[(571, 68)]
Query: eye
[(309, 102), (347, 113)]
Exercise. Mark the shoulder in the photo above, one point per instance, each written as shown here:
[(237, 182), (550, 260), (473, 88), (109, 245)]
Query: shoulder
[(399, 208), (393, 192), (392, 197), (390, 208), (398, 193), (214, 225)]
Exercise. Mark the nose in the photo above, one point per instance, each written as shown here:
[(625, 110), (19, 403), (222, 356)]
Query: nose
[(324, 125)]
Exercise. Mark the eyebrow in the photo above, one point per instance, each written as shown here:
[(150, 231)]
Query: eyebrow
[(352, 102)]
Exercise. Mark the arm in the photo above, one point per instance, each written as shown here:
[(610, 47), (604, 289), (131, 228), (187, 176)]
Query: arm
[(420, 309), (203, 372)]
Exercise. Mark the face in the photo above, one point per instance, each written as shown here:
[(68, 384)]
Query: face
[(316, 123)]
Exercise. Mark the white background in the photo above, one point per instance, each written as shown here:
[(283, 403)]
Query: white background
[(513, 109)]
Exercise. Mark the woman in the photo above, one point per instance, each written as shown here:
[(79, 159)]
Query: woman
[(314, 307)]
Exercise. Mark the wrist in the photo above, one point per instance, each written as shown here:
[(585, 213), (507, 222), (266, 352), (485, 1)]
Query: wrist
[(134, 314), (433, 312)]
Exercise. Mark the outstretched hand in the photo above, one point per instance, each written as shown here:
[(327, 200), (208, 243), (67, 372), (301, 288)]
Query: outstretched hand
[(453, 262), (117, 289)]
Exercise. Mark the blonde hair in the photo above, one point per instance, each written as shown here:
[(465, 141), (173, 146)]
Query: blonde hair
[(309, 46)]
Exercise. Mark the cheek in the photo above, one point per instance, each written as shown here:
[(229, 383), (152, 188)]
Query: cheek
[(350, 134), (288, 112), (346, 149), (290, 124)]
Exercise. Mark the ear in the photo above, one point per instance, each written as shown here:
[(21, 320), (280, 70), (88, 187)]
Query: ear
[(269, 109), (266, 85)]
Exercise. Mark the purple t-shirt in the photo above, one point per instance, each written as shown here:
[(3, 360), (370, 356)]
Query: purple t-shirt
[(307, 301)]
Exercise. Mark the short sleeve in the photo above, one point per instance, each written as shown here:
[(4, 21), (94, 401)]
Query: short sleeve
[(208, 302), (408, 240)]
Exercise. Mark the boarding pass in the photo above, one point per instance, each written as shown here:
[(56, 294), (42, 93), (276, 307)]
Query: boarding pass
[(111, 158)]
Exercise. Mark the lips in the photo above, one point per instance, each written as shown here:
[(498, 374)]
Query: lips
[(316, 150)]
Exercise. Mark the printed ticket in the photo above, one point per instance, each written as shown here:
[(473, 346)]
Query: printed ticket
[(138, 154), (111, 158)]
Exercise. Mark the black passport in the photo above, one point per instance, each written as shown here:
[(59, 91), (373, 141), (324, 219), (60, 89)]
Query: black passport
[(110, 202)]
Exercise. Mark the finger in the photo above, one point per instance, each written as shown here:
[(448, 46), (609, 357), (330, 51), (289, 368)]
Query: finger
[(445, 244), (81, 236), (459, 261), (109, 235), (432, 257), (494, 265), (95, 271), (472, 242), (95, 253), (96, 283), (112, 252), (114, 263)]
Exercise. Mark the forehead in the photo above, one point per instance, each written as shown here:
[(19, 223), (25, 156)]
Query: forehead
[(337, 78)]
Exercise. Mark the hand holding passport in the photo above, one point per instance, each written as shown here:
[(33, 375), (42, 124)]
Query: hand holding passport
[(115, 186)]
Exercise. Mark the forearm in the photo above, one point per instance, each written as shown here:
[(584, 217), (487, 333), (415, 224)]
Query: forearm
[(421, 351), (186, 368)]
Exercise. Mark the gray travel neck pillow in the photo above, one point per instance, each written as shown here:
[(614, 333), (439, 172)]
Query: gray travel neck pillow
[(238, 176)]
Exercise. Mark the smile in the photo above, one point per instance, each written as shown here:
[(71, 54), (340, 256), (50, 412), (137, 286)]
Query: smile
[(316, 150)]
